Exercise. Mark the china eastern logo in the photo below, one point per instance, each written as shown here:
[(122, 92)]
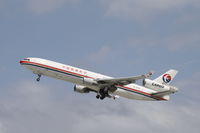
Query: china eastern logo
[(167, 78)]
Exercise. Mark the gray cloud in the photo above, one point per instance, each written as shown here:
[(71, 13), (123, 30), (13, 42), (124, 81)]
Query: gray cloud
[(100, 55), (2, 128), (189, 40), (2, 68), (37, 7), (1, 4), (30, 107), (45, 6), (172, 42), (190, 85), (124, 9), (145, 9)]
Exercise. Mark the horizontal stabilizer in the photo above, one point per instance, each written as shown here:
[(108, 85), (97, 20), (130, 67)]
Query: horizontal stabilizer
[(167, 92), (162, 93)]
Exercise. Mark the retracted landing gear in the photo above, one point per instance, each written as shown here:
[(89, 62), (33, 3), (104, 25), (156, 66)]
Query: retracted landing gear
[(39, 76)]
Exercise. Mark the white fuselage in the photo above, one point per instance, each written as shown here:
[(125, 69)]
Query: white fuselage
[(79, 76)]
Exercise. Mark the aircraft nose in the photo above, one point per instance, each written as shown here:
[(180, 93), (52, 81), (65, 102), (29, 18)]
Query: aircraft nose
[(21, 62)]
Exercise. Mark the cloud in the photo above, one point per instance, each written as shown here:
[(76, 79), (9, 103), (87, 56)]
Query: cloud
[(45, 6), (36, 7), (190, 85), (100, 55), (1, 4), (145, 9), (175, 42), (2, 68), (2, 128), (31, 107), (189, 40)]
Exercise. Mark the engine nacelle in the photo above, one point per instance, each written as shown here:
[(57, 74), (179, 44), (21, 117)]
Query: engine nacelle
[(81, 89), (155, 85)]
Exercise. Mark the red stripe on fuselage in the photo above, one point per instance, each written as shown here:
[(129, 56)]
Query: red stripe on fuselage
[(155, 97), (21, 62)]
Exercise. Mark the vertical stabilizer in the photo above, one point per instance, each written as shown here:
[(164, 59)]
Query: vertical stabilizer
[(167, 77)]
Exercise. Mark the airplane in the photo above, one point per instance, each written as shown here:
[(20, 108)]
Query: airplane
[(104, 86)]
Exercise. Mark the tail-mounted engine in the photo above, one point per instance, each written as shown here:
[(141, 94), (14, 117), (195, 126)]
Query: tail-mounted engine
[(155, 85), (81, 89)]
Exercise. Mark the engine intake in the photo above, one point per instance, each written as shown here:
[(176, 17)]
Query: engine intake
[(81, 89)]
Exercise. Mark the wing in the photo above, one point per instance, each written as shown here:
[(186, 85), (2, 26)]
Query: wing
[(123, 81)]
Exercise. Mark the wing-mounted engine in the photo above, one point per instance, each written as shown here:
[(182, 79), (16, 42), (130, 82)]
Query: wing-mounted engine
[(89, 81), (81, 89)]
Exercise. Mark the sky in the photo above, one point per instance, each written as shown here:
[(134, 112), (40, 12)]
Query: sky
[(119, 38)]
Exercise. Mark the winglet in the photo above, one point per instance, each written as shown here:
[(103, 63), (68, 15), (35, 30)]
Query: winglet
[(149, 74)]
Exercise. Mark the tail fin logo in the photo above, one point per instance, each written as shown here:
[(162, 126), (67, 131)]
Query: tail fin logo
[(167, 78)]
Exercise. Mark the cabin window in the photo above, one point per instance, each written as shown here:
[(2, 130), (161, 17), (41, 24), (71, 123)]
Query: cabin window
[(27, 59)]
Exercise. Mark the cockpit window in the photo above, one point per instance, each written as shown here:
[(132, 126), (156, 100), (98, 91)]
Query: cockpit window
[(27, 59)]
